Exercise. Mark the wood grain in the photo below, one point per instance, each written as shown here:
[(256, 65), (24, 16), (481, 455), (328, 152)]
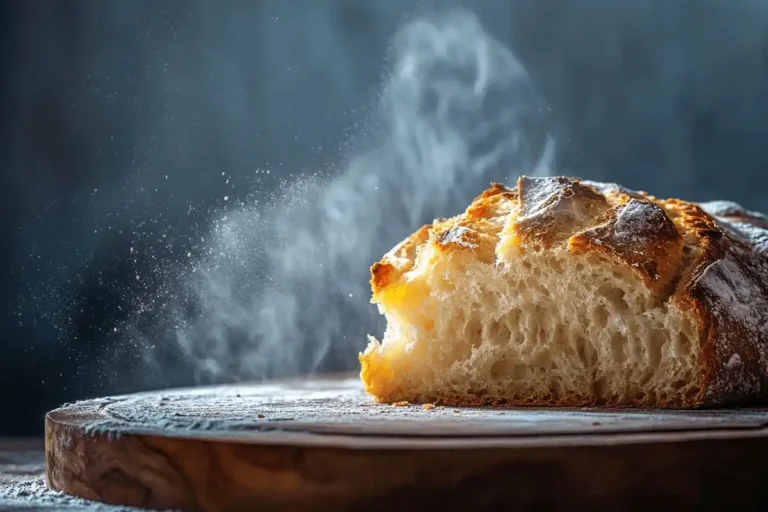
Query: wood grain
[(323, 445)]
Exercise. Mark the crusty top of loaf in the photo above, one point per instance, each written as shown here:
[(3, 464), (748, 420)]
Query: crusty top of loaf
[(710, 259)]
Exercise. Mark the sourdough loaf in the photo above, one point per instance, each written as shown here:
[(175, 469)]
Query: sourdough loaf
[(567, 292)]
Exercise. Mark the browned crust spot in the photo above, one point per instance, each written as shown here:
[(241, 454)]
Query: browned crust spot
[(382, 275), (641, 236), (489, 203)]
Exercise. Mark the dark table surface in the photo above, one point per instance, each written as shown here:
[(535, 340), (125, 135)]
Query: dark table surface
[(22, 481)]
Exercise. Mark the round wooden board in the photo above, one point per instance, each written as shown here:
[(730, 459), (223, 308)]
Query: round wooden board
[(323, 444)]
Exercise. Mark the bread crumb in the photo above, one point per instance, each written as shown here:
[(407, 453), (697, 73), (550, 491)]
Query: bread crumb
[(609, 251), (595, 423), (400, 404), (429, 407), (259, 415)]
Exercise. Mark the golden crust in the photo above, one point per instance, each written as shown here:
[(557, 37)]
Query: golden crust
[(551, 209), (710, 259), (400, 259), (640, 235)]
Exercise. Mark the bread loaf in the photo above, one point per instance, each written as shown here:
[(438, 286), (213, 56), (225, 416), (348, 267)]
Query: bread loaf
[(575, 293)]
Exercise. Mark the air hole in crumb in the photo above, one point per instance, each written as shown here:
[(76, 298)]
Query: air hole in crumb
[(600, 388), (601, 316), (646, 377), (498, 332), (617, 346), (581, 349), (518, 371), (501, 368), (657, 341), (473, 330), (615, 297), (513, 317)]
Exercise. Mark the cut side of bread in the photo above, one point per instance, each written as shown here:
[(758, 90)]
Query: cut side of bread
[(575, 293)]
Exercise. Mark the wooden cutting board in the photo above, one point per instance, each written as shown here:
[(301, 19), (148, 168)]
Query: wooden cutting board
[(323, 444)]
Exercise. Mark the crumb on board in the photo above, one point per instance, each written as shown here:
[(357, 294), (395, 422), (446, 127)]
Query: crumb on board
[(429, 407), (400, 404), (595, 423), (259, 415)]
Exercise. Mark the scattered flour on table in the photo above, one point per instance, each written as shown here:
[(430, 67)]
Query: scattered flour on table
[(22, 487)]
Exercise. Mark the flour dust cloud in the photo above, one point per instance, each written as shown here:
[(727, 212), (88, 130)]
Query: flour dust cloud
[(282, 286)]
